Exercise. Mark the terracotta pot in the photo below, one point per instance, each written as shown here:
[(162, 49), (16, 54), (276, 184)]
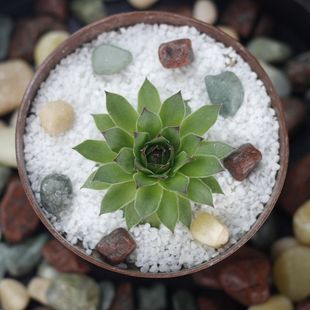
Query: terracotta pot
[(123, 20)]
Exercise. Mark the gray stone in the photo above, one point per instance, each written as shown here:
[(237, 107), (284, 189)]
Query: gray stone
[(225, 89), (88, 11), (6, 27), (153, 298), (46, 271), (5, 174), (107, 295), (3, 258), (268, 49), (183, 300), (73, 291), (22, 258), (55, 193), (108, 59)]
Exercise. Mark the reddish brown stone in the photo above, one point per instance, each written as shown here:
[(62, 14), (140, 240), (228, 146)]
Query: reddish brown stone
[(297, 185), (116, 246), (123, 299), (294, 111), (241, 16), (305, 305), (27, 32), (246, 280), (176, 54), (17, 219), (242, 161), (55, 8), (62, 259), (205, 303)]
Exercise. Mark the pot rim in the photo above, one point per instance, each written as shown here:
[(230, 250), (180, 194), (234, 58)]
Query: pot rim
[(115, 22)]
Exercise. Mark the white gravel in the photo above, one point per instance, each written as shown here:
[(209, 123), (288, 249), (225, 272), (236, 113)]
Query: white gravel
[(73, 80)]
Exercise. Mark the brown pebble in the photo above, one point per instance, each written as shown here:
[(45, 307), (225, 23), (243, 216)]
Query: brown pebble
[(176, 54), (116, 246), (55, 8), (123, 299), (62, 259), (243, 161), (17, 219)]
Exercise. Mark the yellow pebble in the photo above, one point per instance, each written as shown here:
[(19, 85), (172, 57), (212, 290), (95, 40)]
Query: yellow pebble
[(37, 289), (301, 223), (278, 302), (281, 245)]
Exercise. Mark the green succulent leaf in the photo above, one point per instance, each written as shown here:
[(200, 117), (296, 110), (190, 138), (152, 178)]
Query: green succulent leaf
[(140, 138), (95, 150), (218, 149), (180, 160), (91, 184), (200, 121), (113, 201), (148, 199), (153, 220), (149, 122), (177, 183), (125, 159), (213, 184), (185, 211), (117, 138), (103, 121), (131, 216), (148, 97), (168, 211), (121, 112), (190, 143), (172, 135), (172, 111), (143, 180), (198, 191), (202, 167), (112, 173), (188, 109)]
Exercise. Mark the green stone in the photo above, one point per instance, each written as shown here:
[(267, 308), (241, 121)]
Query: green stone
[(56, 193), (5, 174), (73, 291), (269, 50), (88, 11), (225, 89), (183, 300), (108, 59), (107, 295), (22, 258), (6, 27), (153, 298)]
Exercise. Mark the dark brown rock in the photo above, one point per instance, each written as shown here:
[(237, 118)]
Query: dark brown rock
[(264, 26), (241, 16), (176, 54), (116, 246), (294, 111), (27, 32), (243, 161), (123, 299), (297, 185), (181, 9), (17, 219), (62, 259), (246, 280), (304, 305), (218, 303), (55, 8)]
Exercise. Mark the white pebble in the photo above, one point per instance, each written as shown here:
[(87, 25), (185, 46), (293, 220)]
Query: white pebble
[(206, 11)]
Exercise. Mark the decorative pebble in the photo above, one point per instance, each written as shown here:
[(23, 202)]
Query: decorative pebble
[(176, 54), (116, 246), (62, 259), (73, 291), (242, 161), (107, 295), (291, 273), (14, 78), (301, 223), (230, 31), (13, 295), (304, 305), (225, 89), (47, 44), (142, 4), (88, 11), (56, 117), (7, 146), (277, 302), (46, 271), (56, 8), (124, 298), (37, 289), (6, 27), (281, 245), (108, 59), (206, 229), (55, 193), (206, 11), (5, 174), (153, 298), (269, 50), (278, 78), (183, 300), (17, 218)]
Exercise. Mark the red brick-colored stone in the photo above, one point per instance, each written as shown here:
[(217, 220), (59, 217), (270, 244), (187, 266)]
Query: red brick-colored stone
[(62, 259), (123, 299), (116, 246), (243, 161), (55, 8), (17, 219), (176, 54)]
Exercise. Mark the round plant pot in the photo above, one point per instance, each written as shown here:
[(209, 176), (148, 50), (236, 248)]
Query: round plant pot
[(113, 23)]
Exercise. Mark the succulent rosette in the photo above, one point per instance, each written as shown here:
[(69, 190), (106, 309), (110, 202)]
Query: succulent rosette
[(154, 161)]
